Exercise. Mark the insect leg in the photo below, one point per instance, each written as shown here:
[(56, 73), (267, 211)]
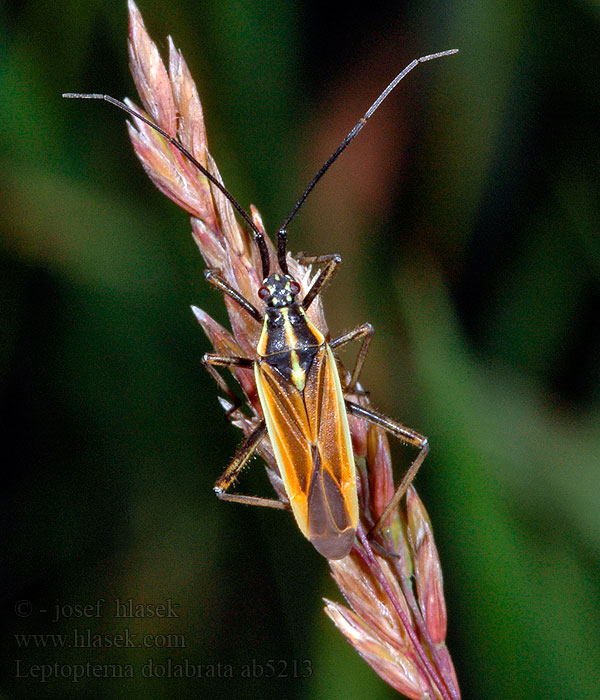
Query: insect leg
[(332, 262), (213, 278), (239, 461), (364, 333), (210, 361), (404, 434)]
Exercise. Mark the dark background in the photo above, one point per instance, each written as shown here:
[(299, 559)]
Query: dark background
[(467, 217)]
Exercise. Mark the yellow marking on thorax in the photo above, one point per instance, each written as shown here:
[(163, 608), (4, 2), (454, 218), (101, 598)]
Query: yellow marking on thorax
[(290, 335), (298, 374), (319, 337), (261, 348)]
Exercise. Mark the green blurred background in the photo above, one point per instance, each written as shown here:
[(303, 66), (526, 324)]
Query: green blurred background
[(467, 217)]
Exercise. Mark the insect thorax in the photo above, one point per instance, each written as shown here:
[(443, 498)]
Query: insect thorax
[(289, 342)]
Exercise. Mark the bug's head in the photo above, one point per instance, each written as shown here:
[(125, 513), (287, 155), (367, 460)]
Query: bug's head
[(279, 290)]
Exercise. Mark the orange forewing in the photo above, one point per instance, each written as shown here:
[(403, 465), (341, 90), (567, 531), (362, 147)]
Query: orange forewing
[(311, 440)]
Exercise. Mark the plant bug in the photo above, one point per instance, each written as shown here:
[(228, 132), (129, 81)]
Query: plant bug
[(305, 406)]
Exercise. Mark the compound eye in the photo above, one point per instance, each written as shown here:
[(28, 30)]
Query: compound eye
[(294, 287), (264, 293)]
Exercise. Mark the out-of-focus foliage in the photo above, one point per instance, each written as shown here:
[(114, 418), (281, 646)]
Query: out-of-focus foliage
[(467, 216)]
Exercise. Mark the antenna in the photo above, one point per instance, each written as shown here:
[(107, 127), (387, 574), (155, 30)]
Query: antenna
[(282, 233), (258, 236)]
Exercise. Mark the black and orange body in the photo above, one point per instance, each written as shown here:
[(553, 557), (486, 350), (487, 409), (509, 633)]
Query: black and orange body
[(305, 413), (305, 408), (303, 404)]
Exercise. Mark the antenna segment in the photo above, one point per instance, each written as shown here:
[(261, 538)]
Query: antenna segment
[(258, 236), (282, 233)]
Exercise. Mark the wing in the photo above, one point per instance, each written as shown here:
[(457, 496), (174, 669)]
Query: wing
[(311, 441)]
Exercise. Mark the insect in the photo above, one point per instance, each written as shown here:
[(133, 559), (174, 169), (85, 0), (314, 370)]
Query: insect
[(305, 406)]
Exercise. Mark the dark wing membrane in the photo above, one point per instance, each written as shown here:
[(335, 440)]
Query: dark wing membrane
[(311, 440)]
